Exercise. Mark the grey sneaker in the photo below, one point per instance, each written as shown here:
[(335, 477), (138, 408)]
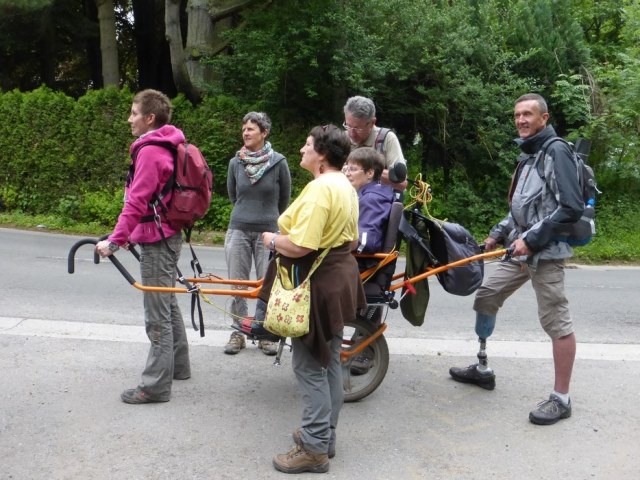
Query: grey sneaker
[(136, 396), (472, 374), (235, 344), (298, 441), (550, 411), (267, 347)]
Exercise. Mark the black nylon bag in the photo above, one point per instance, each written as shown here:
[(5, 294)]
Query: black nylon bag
[(451, 242)]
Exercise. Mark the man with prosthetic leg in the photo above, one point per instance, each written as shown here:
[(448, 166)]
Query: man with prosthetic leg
[(480, 373), (544, 199)]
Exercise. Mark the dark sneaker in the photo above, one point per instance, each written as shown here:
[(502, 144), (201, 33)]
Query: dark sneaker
[(300, 460), (298, 441), (471, 374), (550, 411), (267, 347), (136, 396), (362, 363), (235, 344)]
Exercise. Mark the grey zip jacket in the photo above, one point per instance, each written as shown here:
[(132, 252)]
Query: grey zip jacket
[(546, 198)]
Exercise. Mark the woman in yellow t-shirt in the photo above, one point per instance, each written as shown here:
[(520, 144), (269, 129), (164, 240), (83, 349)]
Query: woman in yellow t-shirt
[(325, 215)]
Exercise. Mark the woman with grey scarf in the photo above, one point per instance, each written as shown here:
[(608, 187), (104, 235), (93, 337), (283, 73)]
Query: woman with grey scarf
[(259, 187)]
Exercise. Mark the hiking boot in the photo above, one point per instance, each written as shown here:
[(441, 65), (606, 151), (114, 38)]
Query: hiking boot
[(550, 411), (267, 347), (235, 344), (362, 363), (136, 396), (300, 460), (472, 374), (297, 439)]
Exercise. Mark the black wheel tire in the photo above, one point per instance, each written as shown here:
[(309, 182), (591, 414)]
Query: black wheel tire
[(356, 387)]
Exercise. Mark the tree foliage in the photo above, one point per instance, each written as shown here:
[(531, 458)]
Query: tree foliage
[(443, 74)]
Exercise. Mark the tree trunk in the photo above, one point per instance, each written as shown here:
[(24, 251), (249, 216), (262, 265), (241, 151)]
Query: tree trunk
[(203, 40), (178, 57), (201, 34), (46, 50), (93, 46), (108, 44)]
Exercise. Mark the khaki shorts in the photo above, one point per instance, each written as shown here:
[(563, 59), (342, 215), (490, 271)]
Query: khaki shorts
[(547, 279)]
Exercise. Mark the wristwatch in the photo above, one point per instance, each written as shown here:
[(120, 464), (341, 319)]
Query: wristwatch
[(113, 247), (272, 243)]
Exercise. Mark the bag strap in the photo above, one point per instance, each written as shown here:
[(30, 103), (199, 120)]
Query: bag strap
[(156, 199), (157, 202), (380, 138), (193, 289), (540, 156), (314, 266)]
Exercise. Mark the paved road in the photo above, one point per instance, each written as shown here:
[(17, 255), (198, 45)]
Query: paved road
[(71, 343)]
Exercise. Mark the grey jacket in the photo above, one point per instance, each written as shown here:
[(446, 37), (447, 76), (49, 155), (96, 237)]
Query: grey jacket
[(542, 202), (256, 207)]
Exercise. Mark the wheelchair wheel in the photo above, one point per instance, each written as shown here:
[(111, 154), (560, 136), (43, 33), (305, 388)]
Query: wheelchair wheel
[(362, 379)]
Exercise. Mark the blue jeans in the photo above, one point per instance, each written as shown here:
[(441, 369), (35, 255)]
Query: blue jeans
[(169, 351)]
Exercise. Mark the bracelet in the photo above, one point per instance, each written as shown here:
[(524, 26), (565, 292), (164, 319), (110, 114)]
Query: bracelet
[(113, 247), (272, 243)]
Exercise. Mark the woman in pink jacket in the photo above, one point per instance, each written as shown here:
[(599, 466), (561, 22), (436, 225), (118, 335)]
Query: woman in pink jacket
[(151, 167)]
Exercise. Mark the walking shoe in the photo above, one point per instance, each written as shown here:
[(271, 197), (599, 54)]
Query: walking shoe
[(471, 374), (267, 347), (297, 439), (235, 344), (300, 460), (136, 396), (362, 363), (550, 411)]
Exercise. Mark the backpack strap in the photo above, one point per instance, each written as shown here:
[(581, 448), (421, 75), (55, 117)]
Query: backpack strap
[(380, 138), (157, 202), (542, 153), (514, 179)]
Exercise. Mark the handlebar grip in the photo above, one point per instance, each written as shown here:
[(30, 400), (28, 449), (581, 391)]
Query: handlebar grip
[(72, 253)]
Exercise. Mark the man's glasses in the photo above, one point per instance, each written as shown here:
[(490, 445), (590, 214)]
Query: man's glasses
[(355, 129)]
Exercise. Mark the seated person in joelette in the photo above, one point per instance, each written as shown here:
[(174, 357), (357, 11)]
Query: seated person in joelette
[(364, 168)]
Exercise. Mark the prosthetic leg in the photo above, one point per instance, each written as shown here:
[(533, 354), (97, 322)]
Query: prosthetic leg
[(484, 328), (479, 373)]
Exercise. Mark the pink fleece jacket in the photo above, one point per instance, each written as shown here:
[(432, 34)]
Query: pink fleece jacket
[(153, 167)]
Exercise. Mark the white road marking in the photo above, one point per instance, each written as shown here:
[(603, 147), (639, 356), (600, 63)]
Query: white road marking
[(31, 327)]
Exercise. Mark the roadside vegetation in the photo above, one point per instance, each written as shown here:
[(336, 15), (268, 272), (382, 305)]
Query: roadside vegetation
[(443, 75)]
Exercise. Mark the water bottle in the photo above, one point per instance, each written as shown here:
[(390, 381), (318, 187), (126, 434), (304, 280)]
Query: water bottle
[(590, 213), (584, 229)]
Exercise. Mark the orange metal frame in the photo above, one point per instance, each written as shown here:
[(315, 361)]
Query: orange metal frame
[(252, 287)]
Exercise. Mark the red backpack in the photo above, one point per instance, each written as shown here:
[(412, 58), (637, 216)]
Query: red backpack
[(191, 184)]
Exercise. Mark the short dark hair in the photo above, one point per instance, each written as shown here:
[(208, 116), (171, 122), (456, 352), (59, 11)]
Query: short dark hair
[(542, 104), (259, 118), (333, 143), (369, 159), (360, 107), (154, 102)]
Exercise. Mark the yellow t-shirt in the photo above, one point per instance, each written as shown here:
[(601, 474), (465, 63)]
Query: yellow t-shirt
[(316, 219)]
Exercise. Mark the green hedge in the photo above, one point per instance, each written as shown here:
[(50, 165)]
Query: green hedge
[(69, 158)]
